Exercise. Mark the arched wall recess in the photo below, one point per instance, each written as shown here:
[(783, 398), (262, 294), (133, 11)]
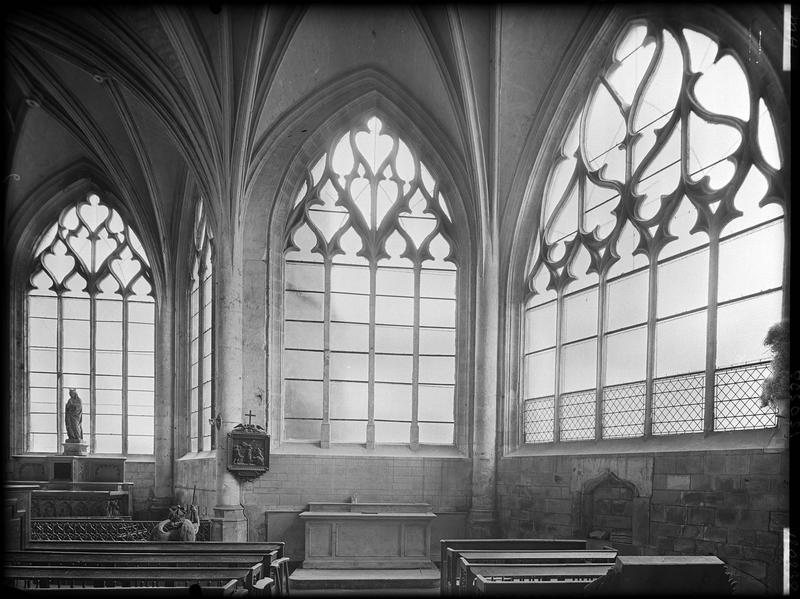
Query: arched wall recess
[(653, 183)]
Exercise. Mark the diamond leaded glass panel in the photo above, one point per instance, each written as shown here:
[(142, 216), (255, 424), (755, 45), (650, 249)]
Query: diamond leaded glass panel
[(623, 410), (538, 420), (678, 404), (577, 415), (737, 399)]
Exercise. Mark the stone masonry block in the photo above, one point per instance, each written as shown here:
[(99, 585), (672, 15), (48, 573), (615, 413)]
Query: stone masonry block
[(667, 497), (715, 463), (684, 545), (664, 464), (689, 464), (739, 536), (737, 463), (678, 481), (701, 515), (713, 533), (768, 539), (754, 520), (765, 463), (728, 483), (690, 531), (726, 516), (659, 530), (675, 514), (756, 484), (778, 521), (769, 502), (761, 554), (700, 482)]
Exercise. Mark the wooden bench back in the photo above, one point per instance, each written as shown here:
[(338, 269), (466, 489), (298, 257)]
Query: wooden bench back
[(116, 558), (449, 566), (71, 576), (157, 546), (209, 590), (519, 588)]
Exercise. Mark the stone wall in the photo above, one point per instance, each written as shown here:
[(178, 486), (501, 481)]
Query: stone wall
[(733, 504), (143, 477)]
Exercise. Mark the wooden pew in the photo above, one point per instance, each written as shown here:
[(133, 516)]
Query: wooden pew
[(451, 547), (507, 559), (228, 589), (151, 546), (673, 575), (583, 573), (31, 577), (118, 558), (504, 586)]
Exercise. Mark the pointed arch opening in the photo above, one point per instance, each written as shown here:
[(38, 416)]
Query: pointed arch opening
[(658, 264)]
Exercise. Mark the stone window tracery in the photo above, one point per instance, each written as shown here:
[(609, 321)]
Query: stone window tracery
[(370, 277), (658, 266), (90, 326)]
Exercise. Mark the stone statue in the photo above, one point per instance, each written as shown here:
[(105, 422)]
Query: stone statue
[(178, 527), (73, 417)]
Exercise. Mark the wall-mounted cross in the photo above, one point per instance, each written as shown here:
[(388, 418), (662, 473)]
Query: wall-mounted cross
[(249, 417)]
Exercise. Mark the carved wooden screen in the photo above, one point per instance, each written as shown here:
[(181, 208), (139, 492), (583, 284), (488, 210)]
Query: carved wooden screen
[(658, 267), (90, 315), (201, 335), (370, 297)]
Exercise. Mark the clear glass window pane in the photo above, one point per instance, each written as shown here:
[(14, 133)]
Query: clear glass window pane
[(141, 337), (348, 401), (540, 376), (302, 364), (108, 443), (303, 399), (302, 430), (141, 363), (303, 306), (437, 341), (681, 344), (347, 431), (392, 432), (437, 283), (626, 300), (394, 339), (349, 337), (394, 310), (751, 262), (392, 369), (303, 276), (350, 279), (435, 433), (682, 284), (436, 403), (579, 366), (349, 367), (540, 327), (349, 307), (75, 360), (742, 327), (436, 369), (42, 332), (437, 313), (140, 444), (392, 402), (304, 335), (626, 356), (394, 281), (580, 315), (108, 335)]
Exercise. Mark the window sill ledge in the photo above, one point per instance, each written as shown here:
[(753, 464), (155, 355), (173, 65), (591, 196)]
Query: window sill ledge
[(198, 455), (770, 440), (358, 450)]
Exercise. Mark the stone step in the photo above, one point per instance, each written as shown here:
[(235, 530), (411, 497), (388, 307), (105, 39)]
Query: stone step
[(320, 578)]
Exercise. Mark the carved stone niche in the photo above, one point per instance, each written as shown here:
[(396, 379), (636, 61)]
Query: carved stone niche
[(613, 513)]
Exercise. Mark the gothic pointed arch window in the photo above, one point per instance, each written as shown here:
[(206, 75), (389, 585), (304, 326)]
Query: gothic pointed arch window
[(90, 326), (370, 280), (201, 337), (659, 263)]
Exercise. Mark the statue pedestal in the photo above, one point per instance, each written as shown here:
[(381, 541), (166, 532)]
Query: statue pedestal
[(75, 448)]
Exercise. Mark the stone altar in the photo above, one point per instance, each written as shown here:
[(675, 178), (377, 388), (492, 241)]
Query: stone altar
[(367, 535)]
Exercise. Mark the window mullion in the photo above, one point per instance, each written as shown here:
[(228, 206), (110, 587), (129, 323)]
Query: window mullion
[(557, 382), (325, 429), (601, 354), (651, 347), (60, 371), (711, 330), (125, 343), (373, 267), (213, 366), (415, 364), (92, 371)]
